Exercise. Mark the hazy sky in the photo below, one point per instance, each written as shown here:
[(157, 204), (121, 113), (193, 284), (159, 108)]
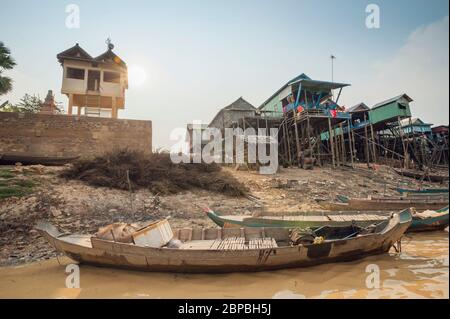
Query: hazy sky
[(200, 56)]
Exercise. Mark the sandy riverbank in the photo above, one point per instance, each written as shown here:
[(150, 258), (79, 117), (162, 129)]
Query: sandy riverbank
[(76, 207)]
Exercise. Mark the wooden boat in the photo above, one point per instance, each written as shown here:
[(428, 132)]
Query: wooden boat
[(429, 220), (307, 220), (27, 159), (388, 203), (235, 249), (422, 175), (410, 197), (424, 221), (422, 190)]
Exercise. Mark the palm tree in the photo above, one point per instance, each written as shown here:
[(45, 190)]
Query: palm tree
[(6, 63)]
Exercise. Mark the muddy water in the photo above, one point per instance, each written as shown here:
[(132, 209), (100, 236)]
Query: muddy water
[(420, 271)]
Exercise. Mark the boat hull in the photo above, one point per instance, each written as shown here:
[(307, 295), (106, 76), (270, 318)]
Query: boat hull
[(11, 159), (123, 255), (268, 222), (423, 191), (429, 224), (394, 205), (418, 224)]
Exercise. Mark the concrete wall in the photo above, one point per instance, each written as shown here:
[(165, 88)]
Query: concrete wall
[(65, 135)]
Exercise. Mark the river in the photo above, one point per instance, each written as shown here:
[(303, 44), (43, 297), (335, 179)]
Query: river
[(419, 271)]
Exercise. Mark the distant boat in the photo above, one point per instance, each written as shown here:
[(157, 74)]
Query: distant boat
[(424, 221), (27, 159), (234, 249), (430, 220), (392, 203), (439, 178), (422, 190), (306, 220)]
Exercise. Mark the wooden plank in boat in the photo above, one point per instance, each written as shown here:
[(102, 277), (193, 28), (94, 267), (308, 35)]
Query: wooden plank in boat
[(197, 244), (315, 218)]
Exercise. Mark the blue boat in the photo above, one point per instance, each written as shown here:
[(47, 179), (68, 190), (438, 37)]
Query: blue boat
[(423, 190)]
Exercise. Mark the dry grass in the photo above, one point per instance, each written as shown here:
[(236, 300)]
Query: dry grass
[(155, 172)]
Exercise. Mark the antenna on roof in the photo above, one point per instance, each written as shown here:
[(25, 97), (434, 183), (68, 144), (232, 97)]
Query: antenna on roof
[(109, 44), (332, 57)]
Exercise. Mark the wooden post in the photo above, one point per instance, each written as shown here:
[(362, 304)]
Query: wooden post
[(405, 150), (366, 143), (114, 108), (319, 143), (70, 107), (330, 137), (288, 138), (374, 147), (344, 155), (350, 144), (284, 142), (354, 143), (297, 143), (79, 110), (308, 135), (337, 152)]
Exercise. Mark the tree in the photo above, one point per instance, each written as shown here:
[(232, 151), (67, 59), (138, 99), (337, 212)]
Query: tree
[(6, 63), (27, 104)]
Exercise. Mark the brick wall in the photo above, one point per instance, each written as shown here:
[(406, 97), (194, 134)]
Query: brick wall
[(65, 136)]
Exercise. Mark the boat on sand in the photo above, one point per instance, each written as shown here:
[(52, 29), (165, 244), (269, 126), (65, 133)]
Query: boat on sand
[(208, 250)]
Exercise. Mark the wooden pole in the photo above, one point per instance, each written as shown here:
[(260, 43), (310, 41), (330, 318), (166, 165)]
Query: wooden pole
[(288, 139), (338, 160), (374, 149), (70, 106), (331, 142), (350, 144), (297, 143), (319, 143), (354, 143), (114, 108), (286, 151), (366, 143), (405, 150), (344, 156)]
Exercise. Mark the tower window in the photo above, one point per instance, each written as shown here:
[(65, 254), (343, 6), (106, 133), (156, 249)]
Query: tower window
[(113, 77), (73, 73)]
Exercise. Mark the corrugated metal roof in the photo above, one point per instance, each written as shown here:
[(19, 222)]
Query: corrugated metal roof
[(298, 77), (319, 85), (307, 83), (358, 108), (239, 105), (398, 97), (414, 121)]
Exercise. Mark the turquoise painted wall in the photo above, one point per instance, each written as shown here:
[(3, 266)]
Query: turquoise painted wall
[(274, 105), (389, 111)]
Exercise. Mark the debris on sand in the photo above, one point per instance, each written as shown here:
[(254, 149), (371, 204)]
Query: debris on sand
[(123, 169)]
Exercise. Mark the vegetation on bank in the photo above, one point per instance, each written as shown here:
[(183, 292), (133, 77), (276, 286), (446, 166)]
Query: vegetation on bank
[(127, 169), (12, 186)]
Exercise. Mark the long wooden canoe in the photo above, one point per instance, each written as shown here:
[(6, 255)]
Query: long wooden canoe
[(233, 249), (409, 197), (306, 220), (438, 178), (424, 221), (28, 159), (388, 203), (422, 190), (429, 220)]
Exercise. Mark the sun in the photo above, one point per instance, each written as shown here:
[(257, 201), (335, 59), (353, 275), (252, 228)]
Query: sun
[(136, 75)]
